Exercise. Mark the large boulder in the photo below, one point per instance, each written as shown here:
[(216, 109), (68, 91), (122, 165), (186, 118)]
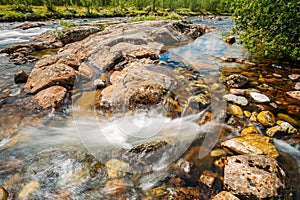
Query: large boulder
[(45, 77)]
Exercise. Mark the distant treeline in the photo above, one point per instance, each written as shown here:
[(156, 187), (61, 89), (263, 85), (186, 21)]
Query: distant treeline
[(215, 6)]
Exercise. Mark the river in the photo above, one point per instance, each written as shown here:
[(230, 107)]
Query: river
[(61, 155)]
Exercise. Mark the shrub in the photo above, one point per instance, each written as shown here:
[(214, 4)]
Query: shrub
[(269, 28)]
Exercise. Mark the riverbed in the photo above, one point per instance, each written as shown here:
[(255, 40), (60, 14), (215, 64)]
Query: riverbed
[(66, 154)]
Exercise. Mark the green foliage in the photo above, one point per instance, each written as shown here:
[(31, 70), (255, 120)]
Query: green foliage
[(269, 28)]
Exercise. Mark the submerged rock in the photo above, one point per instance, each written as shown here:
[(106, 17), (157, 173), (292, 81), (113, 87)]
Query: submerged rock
[(208, 178), (224, 195), (3, 194), (252, 144), (266, 118), (183, 193), (257, 176), (297, 86), (249, 130), (117, 168), (294, 94), (260, 98), (236, 99), (294, 77), (283, 127), (28, 189), (236, 110), (236, 80)]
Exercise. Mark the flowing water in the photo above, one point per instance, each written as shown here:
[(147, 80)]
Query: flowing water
[(62, 155)]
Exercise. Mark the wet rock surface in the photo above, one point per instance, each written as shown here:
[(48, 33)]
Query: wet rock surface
[(252, 144), (257, 176), (52, 97)]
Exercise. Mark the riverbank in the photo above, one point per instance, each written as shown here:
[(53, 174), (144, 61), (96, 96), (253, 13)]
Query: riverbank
[(38, 13)]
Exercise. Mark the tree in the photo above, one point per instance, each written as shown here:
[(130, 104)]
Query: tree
[(269, 28)]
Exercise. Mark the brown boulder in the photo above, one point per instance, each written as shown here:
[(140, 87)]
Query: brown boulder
[(45, 77), (52, 97), (257, 176)]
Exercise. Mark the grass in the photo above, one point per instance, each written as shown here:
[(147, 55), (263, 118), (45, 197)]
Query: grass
[(10, 14)]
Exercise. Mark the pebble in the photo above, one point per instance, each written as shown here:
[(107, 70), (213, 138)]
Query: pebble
[(237, 91), (249, 130), (224, 195), (297, 86), (115, 187), (236, 99), (287, 118), (247, 113), (294, 94), (253, 117), (208, 178), (260, 98), (236, 80), (236, 110), (294, 77), (266, 118), (293, 110)]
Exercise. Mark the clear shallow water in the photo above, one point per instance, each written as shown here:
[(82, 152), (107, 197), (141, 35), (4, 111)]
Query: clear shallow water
[(55, 150)]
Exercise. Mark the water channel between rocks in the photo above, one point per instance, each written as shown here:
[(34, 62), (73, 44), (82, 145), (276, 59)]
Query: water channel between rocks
[(71, 154)]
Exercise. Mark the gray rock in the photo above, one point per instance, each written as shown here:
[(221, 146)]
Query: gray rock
[(257, 176), (77, 33), (236, 99), (260, 98)]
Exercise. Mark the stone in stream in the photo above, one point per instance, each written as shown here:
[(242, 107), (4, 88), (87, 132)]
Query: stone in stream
[(266, 118), (208, 178), (236, 80), (294, 77), (28, 189), (294, 94), (249, 130), (230, 39), (52, 97), (236, 99), (287, 118), (236, 110), (224, 195), (283, 127), (117, 168), (257, 176), (3, 194), (115, 48), (47, 76), (252, 144), (183, 193), (20, 77), (297, 86), (260, 98)]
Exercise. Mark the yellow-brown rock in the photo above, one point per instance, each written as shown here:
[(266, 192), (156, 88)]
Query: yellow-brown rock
[(3, 193), (116, 168), (28, 189), (224, 195), (236, 110), (266, 118), (252, 144), (249, 130)]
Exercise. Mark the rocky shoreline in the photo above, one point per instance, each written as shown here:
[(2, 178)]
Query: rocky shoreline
[(244, 164)]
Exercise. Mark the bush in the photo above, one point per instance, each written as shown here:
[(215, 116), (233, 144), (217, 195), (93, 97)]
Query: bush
[(269, 28)]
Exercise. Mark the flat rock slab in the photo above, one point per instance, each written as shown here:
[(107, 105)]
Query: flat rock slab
[(252, 144), (253, 175), (52, 97)]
